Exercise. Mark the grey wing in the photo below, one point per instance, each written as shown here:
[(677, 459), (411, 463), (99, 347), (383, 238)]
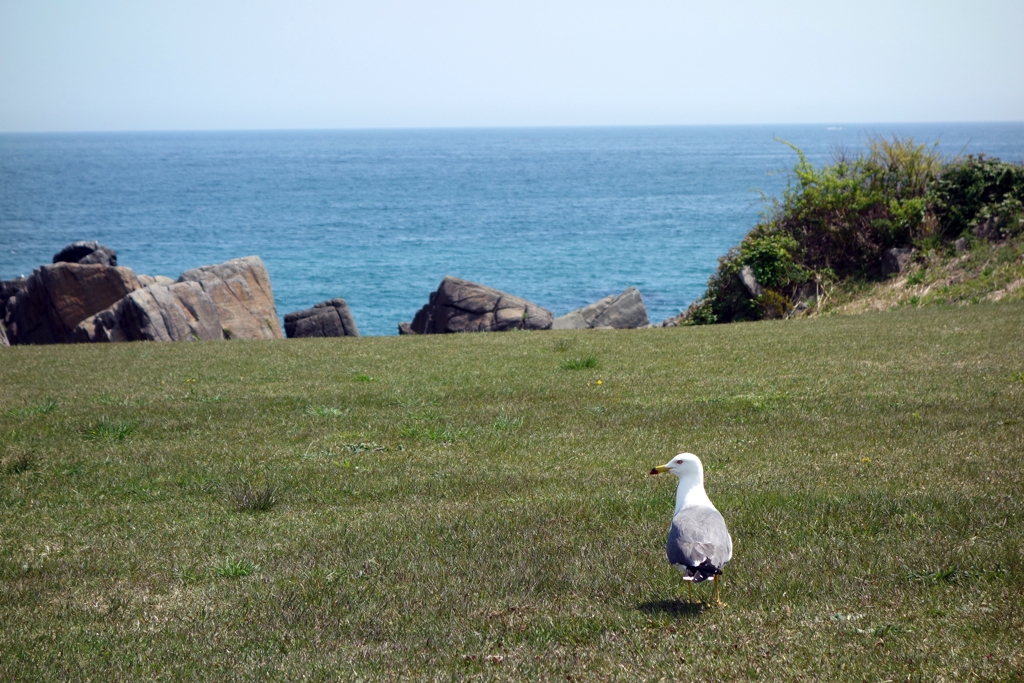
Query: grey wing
[(697, 535)]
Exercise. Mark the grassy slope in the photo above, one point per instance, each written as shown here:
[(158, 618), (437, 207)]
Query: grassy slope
[(870, 469), (989, 271)]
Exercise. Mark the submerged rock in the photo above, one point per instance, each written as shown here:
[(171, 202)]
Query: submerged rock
[(463, 306), (621, 311), (326, 319), (240, 289)]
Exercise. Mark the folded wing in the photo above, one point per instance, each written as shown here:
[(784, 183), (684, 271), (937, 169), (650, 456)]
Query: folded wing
[(699, 542)]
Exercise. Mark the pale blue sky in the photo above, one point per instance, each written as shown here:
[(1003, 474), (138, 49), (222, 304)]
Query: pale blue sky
[(222, 64)]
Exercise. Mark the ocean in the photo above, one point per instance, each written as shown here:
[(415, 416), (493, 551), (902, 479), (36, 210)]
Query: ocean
[(560, 216)]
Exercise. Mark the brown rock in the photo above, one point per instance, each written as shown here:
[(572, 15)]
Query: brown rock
[(240, 289), (463, 306), (176, 312), (327, 319), (59, 296)]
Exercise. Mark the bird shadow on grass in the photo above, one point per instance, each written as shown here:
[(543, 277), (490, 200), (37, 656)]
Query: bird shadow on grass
[(674, 608)]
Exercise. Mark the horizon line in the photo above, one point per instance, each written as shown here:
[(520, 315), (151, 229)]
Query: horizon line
[(312, 129)]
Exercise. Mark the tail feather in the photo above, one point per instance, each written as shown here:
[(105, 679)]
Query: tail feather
[(702, 572)]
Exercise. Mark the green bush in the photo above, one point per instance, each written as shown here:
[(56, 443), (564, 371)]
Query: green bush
[(831, 223), (975, 190)]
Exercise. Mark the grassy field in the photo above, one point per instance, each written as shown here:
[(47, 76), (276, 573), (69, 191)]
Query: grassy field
[(477, 507)]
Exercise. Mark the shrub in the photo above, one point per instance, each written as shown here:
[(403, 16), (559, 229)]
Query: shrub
[(976, 190), (831, 223), (772, 305)]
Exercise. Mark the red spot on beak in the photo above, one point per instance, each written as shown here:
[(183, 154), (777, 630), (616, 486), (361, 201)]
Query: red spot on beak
[(654, 471)]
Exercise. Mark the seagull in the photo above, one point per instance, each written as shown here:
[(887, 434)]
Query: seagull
[(699, 544)]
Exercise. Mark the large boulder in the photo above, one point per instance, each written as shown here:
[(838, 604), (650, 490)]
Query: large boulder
[(86, 252), (240, 289), (178, 312), (620, 311), (57, 297), (462, 306), (327, 319)]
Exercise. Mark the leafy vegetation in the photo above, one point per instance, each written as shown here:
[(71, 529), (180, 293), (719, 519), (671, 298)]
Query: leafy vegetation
[(832, 225), (869, 468)]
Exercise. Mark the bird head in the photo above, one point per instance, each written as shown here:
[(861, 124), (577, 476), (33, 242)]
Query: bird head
[(684, 465)]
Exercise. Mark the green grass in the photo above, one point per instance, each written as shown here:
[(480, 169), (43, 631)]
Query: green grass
[(477, 512), (583, 363), (245, 497)]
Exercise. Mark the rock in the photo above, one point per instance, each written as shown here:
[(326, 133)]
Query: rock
[(895, 260), (86, 252), (59, 296), (623, 311), (749, 280), (147, 280), (327, 319), (672, 321), (3, 335), (405, 328), (462, 306), (9, 289), (960, 245), (240, 289), (177, 312), (987, 229)]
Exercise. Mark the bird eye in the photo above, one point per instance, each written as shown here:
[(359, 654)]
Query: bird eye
[(679, 462)]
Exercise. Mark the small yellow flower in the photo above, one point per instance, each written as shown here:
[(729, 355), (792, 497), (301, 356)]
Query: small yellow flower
[(865, 459), (600, 382)]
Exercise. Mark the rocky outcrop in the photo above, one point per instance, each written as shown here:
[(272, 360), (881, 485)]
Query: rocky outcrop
[(622, 311), (895, 260), (240, 289), (327, 319), (86, 252), (462, 306), (59, 296), (177, 312)]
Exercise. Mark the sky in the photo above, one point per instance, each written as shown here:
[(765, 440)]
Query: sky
[(92, 65)]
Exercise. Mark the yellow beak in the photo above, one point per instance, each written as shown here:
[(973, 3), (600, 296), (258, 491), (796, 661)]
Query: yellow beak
[(660, 469)]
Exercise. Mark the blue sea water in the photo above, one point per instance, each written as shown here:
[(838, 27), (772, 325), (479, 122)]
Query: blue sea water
[(560, 216)]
